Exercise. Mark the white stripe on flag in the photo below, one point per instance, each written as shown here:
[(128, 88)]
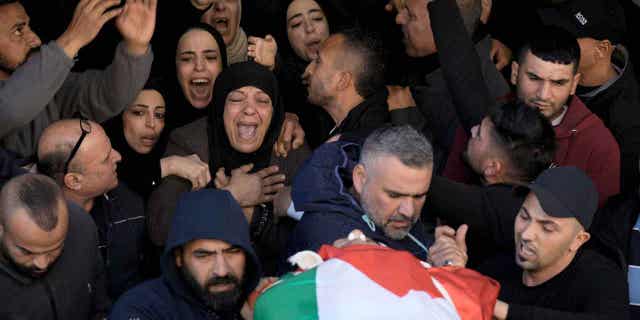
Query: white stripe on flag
[(344, 292)]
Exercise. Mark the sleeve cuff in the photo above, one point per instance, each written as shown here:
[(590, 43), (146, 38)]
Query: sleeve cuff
[(292, 213)]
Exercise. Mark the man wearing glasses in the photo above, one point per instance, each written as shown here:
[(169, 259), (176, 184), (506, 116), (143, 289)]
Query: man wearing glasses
[(78, 155), (36, 85)]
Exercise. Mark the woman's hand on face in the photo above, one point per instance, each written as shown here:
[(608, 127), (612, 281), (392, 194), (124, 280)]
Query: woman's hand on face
[(263, 50), (251, 189), (187, 167), (291, 136)]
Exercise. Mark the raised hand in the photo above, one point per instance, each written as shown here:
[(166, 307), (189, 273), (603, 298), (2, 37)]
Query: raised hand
[(137, 23), (291, 136), (263, 51), (88, 19), (400, 98), (450, 247), (500, 54)]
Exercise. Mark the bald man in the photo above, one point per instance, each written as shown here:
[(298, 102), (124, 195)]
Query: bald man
[(50, 267), (78, 155)]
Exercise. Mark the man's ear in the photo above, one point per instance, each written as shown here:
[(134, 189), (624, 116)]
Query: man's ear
[(604, 49), (73, 181), (492, 168), (514, 72), (177, 254), (576, 81), (359, 177), (345, 78), (581, 238)]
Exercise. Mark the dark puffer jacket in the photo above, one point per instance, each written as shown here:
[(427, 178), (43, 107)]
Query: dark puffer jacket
[(331, 212)]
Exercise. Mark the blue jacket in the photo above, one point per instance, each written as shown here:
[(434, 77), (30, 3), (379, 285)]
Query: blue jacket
[(206, 214), (321, 190)]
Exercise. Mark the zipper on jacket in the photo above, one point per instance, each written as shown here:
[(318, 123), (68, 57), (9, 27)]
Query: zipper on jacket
[(369, 223), (372, 226), (52, 302)]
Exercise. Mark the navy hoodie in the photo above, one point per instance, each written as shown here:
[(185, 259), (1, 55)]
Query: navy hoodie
[(206, 214), (331, 212)]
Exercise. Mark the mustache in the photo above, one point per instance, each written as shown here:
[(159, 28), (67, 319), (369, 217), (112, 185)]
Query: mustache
[(228, 279), (399, 218)]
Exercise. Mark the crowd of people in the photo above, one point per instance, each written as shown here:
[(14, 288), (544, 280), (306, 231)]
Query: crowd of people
[(169, 159)]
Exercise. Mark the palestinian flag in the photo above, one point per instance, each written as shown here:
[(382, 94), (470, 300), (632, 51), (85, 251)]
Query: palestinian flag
[(372, 282)]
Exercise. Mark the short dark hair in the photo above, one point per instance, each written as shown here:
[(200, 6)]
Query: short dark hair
[(553, 44), (526, 137), (368, 71), (37, 194)]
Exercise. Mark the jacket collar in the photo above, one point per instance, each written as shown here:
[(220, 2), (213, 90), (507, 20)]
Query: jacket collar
[(9, 270), (575, 116), (377, 101)]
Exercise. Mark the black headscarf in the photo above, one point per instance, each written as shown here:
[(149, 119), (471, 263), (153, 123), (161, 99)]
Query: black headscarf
[(221, 153), (139, 171), (180, 111)]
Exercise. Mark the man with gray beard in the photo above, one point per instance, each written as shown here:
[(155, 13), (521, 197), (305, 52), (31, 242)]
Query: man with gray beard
[(379, 188)]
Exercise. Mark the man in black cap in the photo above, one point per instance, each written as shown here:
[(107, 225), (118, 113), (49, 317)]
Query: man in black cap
[(553, 277), (608, 85)]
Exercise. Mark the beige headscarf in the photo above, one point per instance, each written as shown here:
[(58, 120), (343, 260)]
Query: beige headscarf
[(237, 48)]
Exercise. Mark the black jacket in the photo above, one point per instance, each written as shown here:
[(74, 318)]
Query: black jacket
[(591, 287), (369, 115), (206, 214), (618, 105), (461, 91), (119, 216), (489, 211), (74, 287)]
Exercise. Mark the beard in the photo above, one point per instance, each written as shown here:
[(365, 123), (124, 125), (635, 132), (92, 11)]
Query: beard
[(393, 233), (222, 302), (31, 272)]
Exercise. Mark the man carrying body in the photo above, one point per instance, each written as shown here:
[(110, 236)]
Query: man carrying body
[(50, 267), (553, 277), (37, 87), (390, 177), (209, 266)]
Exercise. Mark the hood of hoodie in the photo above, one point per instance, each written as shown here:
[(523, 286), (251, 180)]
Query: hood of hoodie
[(323, 182), (208, 214)]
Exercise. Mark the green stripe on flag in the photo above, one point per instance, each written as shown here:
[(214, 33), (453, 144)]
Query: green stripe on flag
[(293, 298)]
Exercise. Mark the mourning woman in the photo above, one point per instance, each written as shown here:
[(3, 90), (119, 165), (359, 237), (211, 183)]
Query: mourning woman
[(139, 134), (200, 56), (306, 28), (236, 139)]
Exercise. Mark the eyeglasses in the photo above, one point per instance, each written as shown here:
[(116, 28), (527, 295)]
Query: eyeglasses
[(85, 126)]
